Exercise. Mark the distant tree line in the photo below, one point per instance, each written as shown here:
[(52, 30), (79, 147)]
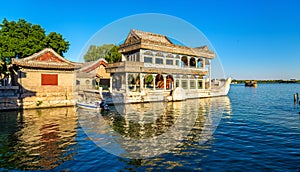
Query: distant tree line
[(109, 52), (266, 81)]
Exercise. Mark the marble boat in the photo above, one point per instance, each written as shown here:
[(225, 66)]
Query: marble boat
[(155, 69)]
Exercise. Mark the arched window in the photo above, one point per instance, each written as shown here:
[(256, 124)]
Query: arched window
[(192, 62), (148, 81), (184, 61), (169, 55), (170, 82), (199, 63), (159, 81), (159, 54), (149, 53)]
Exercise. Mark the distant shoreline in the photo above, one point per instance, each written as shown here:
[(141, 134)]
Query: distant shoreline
[(267, 81)]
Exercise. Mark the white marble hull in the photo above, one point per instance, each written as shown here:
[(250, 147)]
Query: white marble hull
[(178, 94)]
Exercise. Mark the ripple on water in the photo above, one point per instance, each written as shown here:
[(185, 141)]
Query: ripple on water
[(258, 130), (40, 139)]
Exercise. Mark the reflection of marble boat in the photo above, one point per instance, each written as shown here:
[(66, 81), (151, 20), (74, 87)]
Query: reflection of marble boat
[(149, 129), (155, 69)]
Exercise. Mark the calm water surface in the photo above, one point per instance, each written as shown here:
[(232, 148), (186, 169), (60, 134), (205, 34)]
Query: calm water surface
[(253, 129)]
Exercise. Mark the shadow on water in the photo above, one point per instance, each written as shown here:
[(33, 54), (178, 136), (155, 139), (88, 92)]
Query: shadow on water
[(37, 139)]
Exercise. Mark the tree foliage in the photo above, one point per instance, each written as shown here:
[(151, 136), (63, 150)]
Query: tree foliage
[(21, 39), (57, 43), (107, 51), (113, 55)]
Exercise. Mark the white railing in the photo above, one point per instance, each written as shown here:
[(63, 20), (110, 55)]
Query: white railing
[(173, 67)]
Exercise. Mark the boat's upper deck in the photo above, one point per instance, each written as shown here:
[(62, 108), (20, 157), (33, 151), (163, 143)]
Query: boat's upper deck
[(141, 67)]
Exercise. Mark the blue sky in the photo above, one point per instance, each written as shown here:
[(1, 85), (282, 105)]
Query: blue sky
[(254, 39)]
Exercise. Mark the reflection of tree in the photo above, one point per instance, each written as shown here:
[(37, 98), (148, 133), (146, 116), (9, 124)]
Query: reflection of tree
[(37, 139)]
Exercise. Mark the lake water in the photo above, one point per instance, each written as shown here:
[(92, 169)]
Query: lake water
[(250, 129)]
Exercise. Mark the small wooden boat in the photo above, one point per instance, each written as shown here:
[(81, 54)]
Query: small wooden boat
[(96, 105), (92, 100), (250, 84)]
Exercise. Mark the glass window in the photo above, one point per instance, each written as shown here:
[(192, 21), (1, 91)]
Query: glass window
[(148, 59), (192, 84), (200, 84), (169, 62), (158, 61), (177, 83), (177, 62), (184, 84)]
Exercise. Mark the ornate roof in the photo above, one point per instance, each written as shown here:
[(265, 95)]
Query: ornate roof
[(88, 70), (89, 66), (46, 59), (137, 39), (138, 35)]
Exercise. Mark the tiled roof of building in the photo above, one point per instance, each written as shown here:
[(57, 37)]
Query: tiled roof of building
[(89, 66), (46, 59), (151, 36), (88, 70), (137, 39)]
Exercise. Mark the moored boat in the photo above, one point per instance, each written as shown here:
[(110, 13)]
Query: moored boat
[(251, 83), (96, 105), (93, 100)]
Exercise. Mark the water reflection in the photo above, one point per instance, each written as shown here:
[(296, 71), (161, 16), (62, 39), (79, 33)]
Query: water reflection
[(149, 129), (37, 139)]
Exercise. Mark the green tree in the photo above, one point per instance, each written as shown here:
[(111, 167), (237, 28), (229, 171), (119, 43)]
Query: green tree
[(113, 55), (107, 51), (57, 43), (21, 39), (148, 79)]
